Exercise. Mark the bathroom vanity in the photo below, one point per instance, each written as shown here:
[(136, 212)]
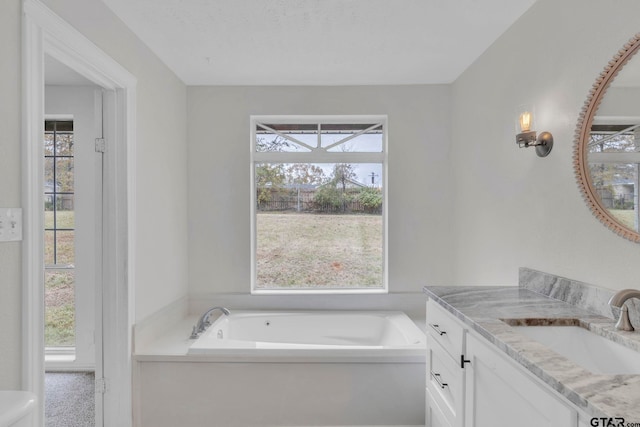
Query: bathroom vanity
[(482, 370)]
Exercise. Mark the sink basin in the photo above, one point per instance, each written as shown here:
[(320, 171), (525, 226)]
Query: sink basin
[(593, 352)]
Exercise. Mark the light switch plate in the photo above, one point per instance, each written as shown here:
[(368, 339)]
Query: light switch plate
[(10, 224)]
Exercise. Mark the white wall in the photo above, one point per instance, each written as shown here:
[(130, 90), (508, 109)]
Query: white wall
[(10, 186), (513, 208), (161, 224), (420, 197)]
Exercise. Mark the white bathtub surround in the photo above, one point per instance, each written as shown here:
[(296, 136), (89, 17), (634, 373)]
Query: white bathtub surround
[(15, 407), (411, 303), (287, 386), (155, 325)]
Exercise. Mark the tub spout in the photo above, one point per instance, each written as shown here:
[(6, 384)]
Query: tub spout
[(618, 300), (204, 323)]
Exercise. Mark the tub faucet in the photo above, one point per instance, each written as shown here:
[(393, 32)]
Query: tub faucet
[(618, 300), (204, 323)]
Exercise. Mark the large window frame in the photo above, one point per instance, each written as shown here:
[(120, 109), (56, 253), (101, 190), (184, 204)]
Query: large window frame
[(317, 156)]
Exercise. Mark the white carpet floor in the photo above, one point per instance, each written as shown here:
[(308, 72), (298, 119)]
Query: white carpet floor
[(69, 399)]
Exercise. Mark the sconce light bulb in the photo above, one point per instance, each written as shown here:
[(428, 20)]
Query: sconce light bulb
[(525, 121)]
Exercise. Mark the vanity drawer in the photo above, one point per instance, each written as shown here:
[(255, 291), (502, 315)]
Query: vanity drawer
[(445, 382), (445, 329)]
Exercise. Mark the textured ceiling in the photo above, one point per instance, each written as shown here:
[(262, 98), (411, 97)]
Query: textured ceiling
[(318, 42)]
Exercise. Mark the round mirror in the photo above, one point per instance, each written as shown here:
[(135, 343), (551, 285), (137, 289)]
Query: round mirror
[(607, 144)]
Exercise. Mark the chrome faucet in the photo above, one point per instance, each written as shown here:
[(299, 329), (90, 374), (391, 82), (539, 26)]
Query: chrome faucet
[(618, 300), (204, 323)]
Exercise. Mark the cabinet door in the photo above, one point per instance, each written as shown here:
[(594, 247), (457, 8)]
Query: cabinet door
[(500, 393), (434, 416)]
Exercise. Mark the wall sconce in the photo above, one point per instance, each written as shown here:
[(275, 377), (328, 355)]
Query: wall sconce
[(527, 137)]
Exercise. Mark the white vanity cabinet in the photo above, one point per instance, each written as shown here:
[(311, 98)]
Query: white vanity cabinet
[(500, 393), (445, 377), (471, 383)]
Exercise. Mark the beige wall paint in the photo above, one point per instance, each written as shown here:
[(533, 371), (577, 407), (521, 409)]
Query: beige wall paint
[(161, 223), (419, 176), (10, 186), (513, 208)]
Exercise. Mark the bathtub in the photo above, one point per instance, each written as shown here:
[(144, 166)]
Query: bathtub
[(312, 333), (288, 368)]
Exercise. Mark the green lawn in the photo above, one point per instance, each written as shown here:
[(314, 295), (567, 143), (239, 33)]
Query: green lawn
[(65, 239), (314, 250), (59, 308), (65, 219), (59, 284), (625, 217)]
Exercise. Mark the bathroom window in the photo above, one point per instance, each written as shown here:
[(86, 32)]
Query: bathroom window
[(318, 202)]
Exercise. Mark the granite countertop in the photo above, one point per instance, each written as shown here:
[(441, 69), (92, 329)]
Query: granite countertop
[(598, 395)]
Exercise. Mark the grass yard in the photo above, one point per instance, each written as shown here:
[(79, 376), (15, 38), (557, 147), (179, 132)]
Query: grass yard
[(59, 284), (65, 239), (625, 217), (59, 316), (314, 250)]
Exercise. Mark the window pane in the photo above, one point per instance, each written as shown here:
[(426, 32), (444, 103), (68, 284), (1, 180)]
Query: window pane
[(64, 174), (49, 186), (303, 250), (48, 211), (615, 185), (267, 141), (319, 225), (64, 144), (48, 144), (345, 139), (59, 308), (65, 219), (49, 248), (64, 248), (611, 142)]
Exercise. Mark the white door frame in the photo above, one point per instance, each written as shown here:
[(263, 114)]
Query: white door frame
[(44, 32)]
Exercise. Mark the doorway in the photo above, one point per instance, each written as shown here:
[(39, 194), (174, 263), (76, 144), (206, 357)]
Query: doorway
[(44, 33), (72, 247)]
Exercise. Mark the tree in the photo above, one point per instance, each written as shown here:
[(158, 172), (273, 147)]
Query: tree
[(371, 199), (269, 145), (342, 174), (269, 178), (305, 173)]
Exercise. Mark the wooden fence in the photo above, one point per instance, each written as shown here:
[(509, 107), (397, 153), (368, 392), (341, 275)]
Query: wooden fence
[(294, 205)]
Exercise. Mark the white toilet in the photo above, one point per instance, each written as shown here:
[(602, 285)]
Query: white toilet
[(15, 408)]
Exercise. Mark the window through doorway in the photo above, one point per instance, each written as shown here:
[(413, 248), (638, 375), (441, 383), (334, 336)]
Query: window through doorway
[(59, 240)]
